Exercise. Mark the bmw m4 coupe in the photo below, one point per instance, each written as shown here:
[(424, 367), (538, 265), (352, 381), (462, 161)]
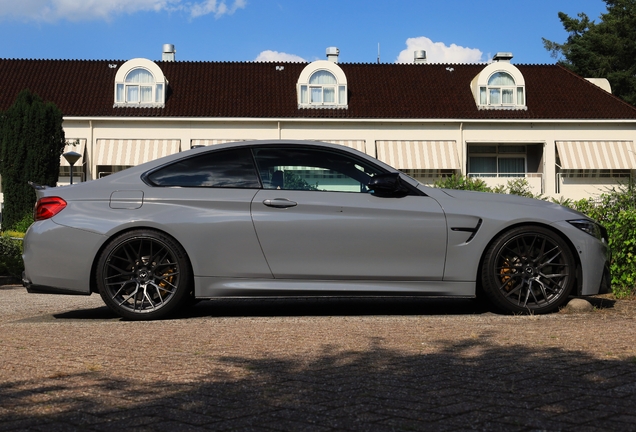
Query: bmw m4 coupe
[(301, 218)]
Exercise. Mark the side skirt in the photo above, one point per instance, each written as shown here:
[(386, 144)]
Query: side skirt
[(209, 287)]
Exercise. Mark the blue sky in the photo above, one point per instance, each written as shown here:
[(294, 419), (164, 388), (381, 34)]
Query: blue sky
[(451, 31)]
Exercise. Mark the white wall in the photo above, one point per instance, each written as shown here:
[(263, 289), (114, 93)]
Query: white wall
[(185, 130)]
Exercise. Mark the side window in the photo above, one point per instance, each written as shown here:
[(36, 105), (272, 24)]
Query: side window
[(312, 169), (215, 169)]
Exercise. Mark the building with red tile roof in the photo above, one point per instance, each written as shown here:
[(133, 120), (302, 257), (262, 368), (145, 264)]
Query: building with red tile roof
[(564, 134)]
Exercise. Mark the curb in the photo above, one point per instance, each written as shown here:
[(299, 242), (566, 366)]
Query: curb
[(9, 280)]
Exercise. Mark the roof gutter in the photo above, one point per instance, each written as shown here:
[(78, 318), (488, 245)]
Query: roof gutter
[(331, 120)]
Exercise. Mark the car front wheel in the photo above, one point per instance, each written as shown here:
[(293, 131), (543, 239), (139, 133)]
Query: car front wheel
[(143, 275), (528, 269)]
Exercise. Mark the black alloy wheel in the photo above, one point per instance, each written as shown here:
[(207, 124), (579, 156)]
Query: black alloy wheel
[(528, 269), (143, 275)]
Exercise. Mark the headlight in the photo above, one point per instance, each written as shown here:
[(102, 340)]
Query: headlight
[(592, 228)]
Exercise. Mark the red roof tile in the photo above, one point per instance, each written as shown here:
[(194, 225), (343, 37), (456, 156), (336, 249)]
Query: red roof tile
[(258, 90)]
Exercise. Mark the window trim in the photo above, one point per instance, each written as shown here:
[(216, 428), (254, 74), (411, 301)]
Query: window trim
[(304, 86), (157, 88), (497, 154), (482, 88)]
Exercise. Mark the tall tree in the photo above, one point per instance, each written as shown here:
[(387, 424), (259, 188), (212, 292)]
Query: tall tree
[(32, 141), (606, 49)]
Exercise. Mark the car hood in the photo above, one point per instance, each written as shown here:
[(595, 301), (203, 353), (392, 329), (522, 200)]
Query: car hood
[(513, 205)]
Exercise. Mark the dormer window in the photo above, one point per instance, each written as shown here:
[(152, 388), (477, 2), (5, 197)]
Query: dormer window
[(140, 83), (500, 85), (501, 90), (322, 84)]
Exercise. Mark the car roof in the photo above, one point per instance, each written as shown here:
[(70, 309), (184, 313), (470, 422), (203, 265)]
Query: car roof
[(140, 169)]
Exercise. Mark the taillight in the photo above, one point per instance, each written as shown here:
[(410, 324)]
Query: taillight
[(48, 207)]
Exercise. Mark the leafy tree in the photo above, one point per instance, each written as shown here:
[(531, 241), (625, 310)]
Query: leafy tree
[(606, 49), (31, 143)]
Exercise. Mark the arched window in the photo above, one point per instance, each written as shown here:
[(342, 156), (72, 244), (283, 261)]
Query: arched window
[(501, 90), (322, 84), (500, 85), (140, 82)]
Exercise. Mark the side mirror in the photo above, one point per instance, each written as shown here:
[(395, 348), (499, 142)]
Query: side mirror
[(387, 186)]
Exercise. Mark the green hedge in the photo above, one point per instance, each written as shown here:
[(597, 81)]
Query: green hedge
[(10, 257)]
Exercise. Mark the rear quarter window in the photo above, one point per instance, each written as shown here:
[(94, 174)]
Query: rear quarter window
[(215, 169)]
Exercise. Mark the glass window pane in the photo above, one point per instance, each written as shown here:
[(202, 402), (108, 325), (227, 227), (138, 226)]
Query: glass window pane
[(132, 93), (120, 93), (507, 96), (342, 95), (322, 77), (224, 169), (512, 149), (501, 79), (316, 94), (483, 165), (159, 95), (329, 93), (312, 170), (303, 94), (482, 96), (495, 97), (512, 166), (482, 149), (141, 76), (146, 94), (520, 98)]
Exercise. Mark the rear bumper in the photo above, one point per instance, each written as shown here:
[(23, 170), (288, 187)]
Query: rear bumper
[(43, 289), (58, 259)]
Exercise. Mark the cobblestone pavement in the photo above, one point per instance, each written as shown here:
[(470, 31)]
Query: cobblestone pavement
[(66, 363)]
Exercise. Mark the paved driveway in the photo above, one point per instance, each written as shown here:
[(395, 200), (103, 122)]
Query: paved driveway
[(66, 363)]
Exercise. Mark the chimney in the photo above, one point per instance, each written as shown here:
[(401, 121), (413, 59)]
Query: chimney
[(420, 57), (332, 54), (169, 52), (503, 57)]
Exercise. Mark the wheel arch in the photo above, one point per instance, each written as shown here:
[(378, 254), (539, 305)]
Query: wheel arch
[(565, 238), (93, 274)]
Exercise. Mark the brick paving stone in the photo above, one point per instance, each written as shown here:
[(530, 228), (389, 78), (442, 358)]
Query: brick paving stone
[(66, 363)]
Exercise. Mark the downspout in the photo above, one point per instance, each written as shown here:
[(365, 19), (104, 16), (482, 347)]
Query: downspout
[(90, 127), (464, 149)]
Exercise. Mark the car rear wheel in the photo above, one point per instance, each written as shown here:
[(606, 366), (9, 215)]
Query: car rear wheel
[(528, 270), (143, 275)]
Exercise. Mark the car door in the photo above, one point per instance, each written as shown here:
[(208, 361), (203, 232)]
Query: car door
[(315, 220)]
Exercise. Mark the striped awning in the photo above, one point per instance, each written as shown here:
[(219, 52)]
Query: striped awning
[(597, 154), (359, 145), (419, 154), (76, 145), (134, 151), (207, 142)]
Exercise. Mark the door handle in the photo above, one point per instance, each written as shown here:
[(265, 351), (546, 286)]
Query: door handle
[(279, 203)]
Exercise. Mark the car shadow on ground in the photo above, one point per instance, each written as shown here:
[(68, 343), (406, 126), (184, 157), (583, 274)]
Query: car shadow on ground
[(319, 306)]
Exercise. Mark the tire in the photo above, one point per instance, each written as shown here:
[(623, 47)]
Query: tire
[(143, 275), (528, 269)]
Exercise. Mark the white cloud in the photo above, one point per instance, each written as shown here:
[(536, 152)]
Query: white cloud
[(217, 8), (80, 10), (438, 52), (273, 56)]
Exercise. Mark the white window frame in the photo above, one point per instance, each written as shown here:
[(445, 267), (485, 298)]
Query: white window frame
[(124, 89), (482, 89), (304, 86), (497, 155)]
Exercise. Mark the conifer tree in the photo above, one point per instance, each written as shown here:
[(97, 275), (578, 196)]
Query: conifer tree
[(606, 49), (31, 143)]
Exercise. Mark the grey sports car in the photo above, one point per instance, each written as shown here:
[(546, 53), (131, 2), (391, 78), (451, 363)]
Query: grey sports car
[(276, 218)]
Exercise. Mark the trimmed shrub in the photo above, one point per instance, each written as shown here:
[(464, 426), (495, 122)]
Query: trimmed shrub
[(10, 257)]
